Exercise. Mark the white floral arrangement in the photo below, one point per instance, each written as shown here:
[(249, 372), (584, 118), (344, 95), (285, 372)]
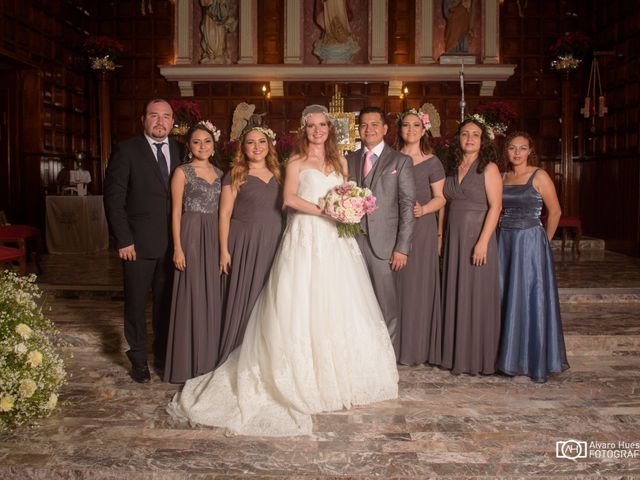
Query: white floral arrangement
[(477, 118), (267, 132), (424, 117), (31, 371), (211, 127)]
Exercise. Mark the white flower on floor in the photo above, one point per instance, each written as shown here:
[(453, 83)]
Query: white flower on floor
[(34, 359), (52, 402), (31, 371), (24, 331), (6, 403), (27, 388)]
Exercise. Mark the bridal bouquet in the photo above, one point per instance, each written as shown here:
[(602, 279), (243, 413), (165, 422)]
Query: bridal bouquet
[(348, 203)]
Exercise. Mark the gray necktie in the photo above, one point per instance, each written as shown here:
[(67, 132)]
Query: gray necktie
[(162, 163)]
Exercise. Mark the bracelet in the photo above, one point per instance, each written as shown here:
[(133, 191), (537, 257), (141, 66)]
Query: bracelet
[(439, 234)]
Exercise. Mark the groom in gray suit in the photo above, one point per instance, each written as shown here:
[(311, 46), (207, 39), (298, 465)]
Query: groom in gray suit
[(386, 240)]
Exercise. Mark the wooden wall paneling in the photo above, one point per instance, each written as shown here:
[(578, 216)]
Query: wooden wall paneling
[(401, 32), (46, 37), (611, 167), (9, 141), (271, 31), (148, 41)]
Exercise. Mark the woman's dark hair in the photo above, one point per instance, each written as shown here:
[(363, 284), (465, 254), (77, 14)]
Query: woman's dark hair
[(187, 140), (533, 155), (486, 154), (425, 145)]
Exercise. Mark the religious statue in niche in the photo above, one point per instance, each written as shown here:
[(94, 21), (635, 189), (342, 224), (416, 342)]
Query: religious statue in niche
[(459, 28), (336, 45), (217, 20)]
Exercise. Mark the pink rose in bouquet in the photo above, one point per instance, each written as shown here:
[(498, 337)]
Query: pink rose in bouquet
[(347, 204)]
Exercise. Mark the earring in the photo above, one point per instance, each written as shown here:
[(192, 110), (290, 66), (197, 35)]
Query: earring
[(190, 155)]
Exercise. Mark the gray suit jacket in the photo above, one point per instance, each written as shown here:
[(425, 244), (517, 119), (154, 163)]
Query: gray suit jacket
[(390, 227)]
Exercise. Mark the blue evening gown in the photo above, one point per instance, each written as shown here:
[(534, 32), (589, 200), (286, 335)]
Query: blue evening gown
[(531, 341)]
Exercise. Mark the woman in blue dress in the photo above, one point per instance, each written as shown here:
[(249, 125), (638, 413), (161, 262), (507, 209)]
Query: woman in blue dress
[(531, 340)]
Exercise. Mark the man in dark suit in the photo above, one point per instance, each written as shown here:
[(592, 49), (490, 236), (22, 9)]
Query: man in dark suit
[(138, 208), (386, 240)]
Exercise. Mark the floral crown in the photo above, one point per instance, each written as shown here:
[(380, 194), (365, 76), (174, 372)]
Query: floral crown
[(211, 128), (311, 109), (424, 117), (270, 134), (480, 120)]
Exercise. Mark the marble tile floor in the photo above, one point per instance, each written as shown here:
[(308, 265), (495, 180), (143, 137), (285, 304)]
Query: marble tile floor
[(441, 426), (102, 272)]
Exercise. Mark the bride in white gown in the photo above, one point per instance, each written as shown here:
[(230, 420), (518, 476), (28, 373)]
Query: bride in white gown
[(316, 339)]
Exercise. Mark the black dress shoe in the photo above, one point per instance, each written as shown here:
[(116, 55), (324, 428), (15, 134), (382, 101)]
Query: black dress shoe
[(140, 374)]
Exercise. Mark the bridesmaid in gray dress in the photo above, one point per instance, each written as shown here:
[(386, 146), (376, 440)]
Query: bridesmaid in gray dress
[(194, 329), (251, 223), (419, 281), (471, 306)]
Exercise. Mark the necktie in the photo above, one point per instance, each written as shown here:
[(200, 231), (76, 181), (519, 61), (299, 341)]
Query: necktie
[(162, 163), (368, 163)]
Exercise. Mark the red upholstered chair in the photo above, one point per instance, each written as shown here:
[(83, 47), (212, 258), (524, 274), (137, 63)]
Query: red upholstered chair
[(571, 223), (19, 235), (10, 254)]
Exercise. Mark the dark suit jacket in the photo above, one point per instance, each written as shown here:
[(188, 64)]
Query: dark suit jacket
[(137, 203), (390, 227)]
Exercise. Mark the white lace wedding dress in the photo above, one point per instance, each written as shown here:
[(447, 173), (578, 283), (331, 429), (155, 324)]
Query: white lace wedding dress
[(315, 341)]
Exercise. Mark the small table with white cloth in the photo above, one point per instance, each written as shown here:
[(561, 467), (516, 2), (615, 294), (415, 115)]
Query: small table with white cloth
[(76, 224)]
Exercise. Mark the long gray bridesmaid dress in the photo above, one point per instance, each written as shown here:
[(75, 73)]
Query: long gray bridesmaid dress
[(471, 296), (196, 307), (419, 281), (254, 235)]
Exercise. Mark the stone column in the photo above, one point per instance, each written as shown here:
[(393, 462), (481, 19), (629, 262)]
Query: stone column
[(491, 31), (424, 31), (247, 31), (183, 31), (378, 25), (293, 42)]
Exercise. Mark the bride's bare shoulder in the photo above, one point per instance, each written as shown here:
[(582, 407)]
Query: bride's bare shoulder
[(295, 162)]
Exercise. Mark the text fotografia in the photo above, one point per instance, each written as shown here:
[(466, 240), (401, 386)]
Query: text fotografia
[(576, 449)]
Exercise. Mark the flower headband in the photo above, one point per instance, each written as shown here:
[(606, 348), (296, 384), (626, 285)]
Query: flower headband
[(267, 132), (211, 128), (311, 109), (480, 120), (424, 117)]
